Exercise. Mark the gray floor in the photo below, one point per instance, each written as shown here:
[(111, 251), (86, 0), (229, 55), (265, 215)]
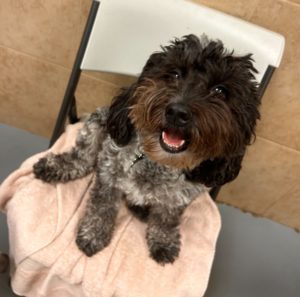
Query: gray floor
[(15, 146), (255, 257)]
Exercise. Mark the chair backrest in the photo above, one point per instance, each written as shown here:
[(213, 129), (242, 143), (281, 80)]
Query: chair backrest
[(125, 33), (120, 36)]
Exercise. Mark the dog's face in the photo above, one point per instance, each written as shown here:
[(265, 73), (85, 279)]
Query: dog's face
[(194, 101)]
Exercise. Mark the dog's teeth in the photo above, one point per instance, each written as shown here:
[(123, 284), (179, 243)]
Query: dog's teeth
[(173, 141)]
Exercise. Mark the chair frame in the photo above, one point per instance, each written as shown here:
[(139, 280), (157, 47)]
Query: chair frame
[(68, 108)]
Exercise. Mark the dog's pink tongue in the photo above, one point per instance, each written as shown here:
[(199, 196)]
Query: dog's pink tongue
[(172, 139)]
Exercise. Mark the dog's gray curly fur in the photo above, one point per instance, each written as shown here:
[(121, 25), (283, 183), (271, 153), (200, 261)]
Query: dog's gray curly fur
[(191, 114), (142, 183)]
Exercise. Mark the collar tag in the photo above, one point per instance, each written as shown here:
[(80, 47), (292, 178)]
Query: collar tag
[(138, 157)]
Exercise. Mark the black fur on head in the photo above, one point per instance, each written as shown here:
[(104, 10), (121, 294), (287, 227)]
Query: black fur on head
[(119, 124), (195, 106)]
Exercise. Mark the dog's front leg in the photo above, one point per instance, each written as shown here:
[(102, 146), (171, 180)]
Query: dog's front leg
[(163, 235), (97, 225), (81, 159)]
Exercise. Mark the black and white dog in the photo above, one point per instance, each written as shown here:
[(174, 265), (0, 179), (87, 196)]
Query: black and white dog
[(181, 127)]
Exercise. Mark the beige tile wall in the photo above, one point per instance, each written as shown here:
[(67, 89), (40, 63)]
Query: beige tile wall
[(38, 42)]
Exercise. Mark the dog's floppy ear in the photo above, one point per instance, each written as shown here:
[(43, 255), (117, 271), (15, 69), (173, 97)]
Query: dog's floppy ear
[(119, 125), (216, 172)]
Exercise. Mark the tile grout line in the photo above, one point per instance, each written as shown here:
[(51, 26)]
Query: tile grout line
[(95, 78), (278, 144), (36, 58), (291, 2)]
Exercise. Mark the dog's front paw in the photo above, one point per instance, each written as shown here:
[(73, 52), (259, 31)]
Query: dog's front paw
[(164, 249), (47, 169), (164, 254), (91, 242)]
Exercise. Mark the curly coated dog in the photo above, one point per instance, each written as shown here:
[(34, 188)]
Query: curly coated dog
[(181, 127)]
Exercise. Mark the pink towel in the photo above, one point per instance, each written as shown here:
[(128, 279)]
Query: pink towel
[(45, 261)]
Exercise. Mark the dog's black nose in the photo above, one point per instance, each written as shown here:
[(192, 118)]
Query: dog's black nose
[(177, 114)]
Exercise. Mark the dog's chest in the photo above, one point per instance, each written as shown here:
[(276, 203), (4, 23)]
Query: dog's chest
[(146, 183)]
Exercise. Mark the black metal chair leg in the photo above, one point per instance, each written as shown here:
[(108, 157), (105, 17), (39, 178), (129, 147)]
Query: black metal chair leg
[(75, 75), (72, 114), (214, 192)]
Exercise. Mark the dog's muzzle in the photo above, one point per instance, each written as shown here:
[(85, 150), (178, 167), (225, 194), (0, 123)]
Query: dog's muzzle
[(173, 139)]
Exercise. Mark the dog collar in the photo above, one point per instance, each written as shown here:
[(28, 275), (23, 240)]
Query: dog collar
[(137, 158)]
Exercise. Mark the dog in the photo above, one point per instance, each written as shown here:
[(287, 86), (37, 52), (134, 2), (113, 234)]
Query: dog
[(183, 126)]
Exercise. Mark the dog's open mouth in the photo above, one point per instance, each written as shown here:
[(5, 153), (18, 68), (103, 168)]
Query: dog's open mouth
[(173, 141)]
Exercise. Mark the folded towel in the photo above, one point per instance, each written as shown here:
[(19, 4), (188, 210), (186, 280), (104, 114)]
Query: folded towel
[(45, 261)]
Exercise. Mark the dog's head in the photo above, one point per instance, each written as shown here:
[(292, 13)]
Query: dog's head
[(193, 102)]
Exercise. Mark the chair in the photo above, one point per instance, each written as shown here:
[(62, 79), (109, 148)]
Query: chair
[(120, 35)]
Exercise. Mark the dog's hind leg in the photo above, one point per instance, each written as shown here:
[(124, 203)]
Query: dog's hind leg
[(97, 225), (163, 235), (81, 159)]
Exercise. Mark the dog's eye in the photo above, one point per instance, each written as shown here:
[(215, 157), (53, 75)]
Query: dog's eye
[(220, 91), (176, 74)]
